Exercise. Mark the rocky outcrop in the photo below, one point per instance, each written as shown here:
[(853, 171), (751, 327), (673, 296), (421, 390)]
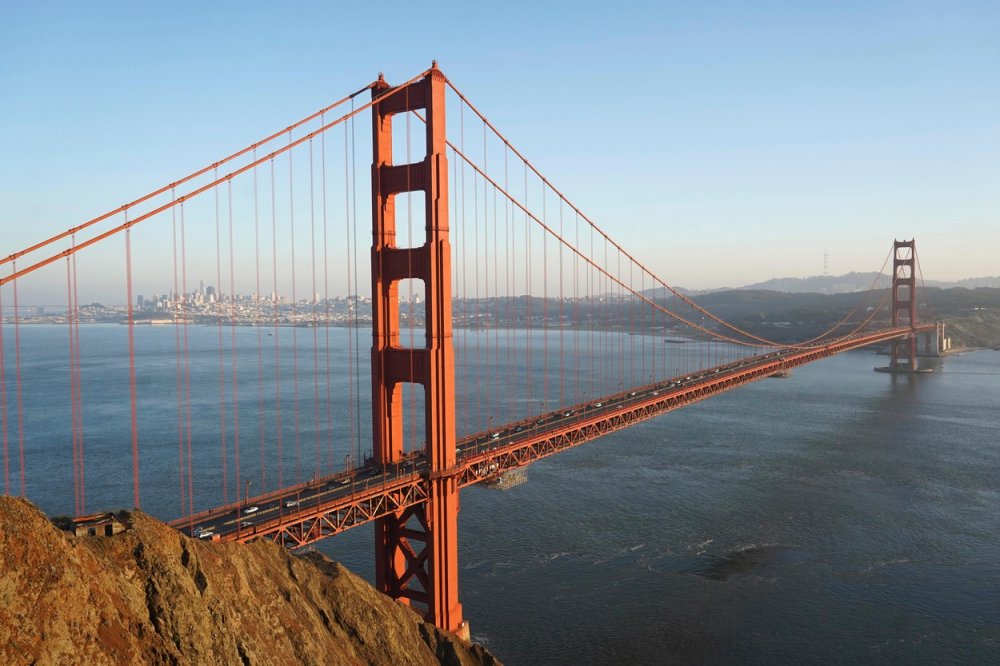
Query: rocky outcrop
[(153, 596)]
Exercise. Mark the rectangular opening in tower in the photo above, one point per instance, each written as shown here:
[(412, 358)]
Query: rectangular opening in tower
[(409, 137), (412, 314), (411, 216)]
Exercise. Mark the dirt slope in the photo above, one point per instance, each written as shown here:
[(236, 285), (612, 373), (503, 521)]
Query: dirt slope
[(151, 595)]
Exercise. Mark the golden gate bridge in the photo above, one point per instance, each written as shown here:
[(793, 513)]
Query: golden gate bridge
[(507, 326)]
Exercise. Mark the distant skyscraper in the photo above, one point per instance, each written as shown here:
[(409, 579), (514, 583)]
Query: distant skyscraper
[(201, 287)]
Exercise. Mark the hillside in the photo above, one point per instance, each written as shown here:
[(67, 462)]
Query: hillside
[(151, 595), (853, 282), (972, 316)]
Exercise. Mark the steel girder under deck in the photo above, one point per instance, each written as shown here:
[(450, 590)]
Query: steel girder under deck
[(398, 495), (489, 464), (309, 525)]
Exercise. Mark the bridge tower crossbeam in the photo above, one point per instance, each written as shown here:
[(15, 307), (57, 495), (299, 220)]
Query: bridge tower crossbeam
[(416, 549)]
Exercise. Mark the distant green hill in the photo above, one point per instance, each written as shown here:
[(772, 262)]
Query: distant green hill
[(853, 282), (972, 314)]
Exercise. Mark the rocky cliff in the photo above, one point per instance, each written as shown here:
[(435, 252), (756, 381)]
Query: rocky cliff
[(151, 595)]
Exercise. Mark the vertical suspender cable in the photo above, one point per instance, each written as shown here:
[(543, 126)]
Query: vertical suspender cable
[(562, 359), (79, 386), (279, 434), (456, 266), (352, 303), (495, 309), (326, 298), (133, 410), (354, 249), (72, 389), (258, 300), (177, 363), (508, 296), (576, 307), (294, 318), (187, 367), (232, 343), (18, 385), (477, 366), (314, 297), (545, 303), (486, 294), (465, 354), (217, 312), (527, 293)]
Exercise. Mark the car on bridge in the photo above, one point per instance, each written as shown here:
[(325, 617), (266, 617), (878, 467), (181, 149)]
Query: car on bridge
[(251, 509)]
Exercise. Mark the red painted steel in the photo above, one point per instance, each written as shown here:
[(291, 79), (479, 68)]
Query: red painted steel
[(396, 489), (904, 258), (416, 548), (413, 499)]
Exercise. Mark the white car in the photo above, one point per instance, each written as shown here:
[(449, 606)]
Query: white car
[(205, 534), (251, 509), (290, 503)]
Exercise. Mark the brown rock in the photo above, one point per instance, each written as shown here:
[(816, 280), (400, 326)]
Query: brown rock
[(151, 595)]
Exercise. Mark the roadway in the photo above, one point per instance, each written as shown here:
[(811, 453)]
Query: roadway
[(318, 508)]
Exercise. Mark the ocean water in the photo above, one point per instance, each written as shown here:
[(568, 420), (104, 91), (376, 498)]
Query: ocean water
[(838, 516)]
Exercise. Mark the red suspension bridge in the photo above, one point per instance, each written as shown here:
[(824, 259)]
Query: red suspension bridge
[(507, 326)]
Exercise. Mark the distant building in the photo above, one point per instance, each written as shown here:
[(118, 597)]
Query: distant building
[(98, 524)]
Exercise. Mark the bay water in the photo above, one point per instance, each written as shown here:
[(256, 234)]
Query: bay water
[(837, 516)]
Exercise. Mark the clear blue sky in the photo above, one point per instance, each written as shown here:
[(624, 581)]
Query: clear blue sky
[(723, 143)]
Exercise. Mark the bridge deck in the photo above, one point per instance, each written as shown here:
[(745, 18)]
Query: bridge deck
[(314, 510)]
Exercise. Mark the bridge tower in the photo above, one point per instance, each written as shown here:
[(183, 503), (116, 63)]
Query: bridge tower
[(416, 549), (904, 300)]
